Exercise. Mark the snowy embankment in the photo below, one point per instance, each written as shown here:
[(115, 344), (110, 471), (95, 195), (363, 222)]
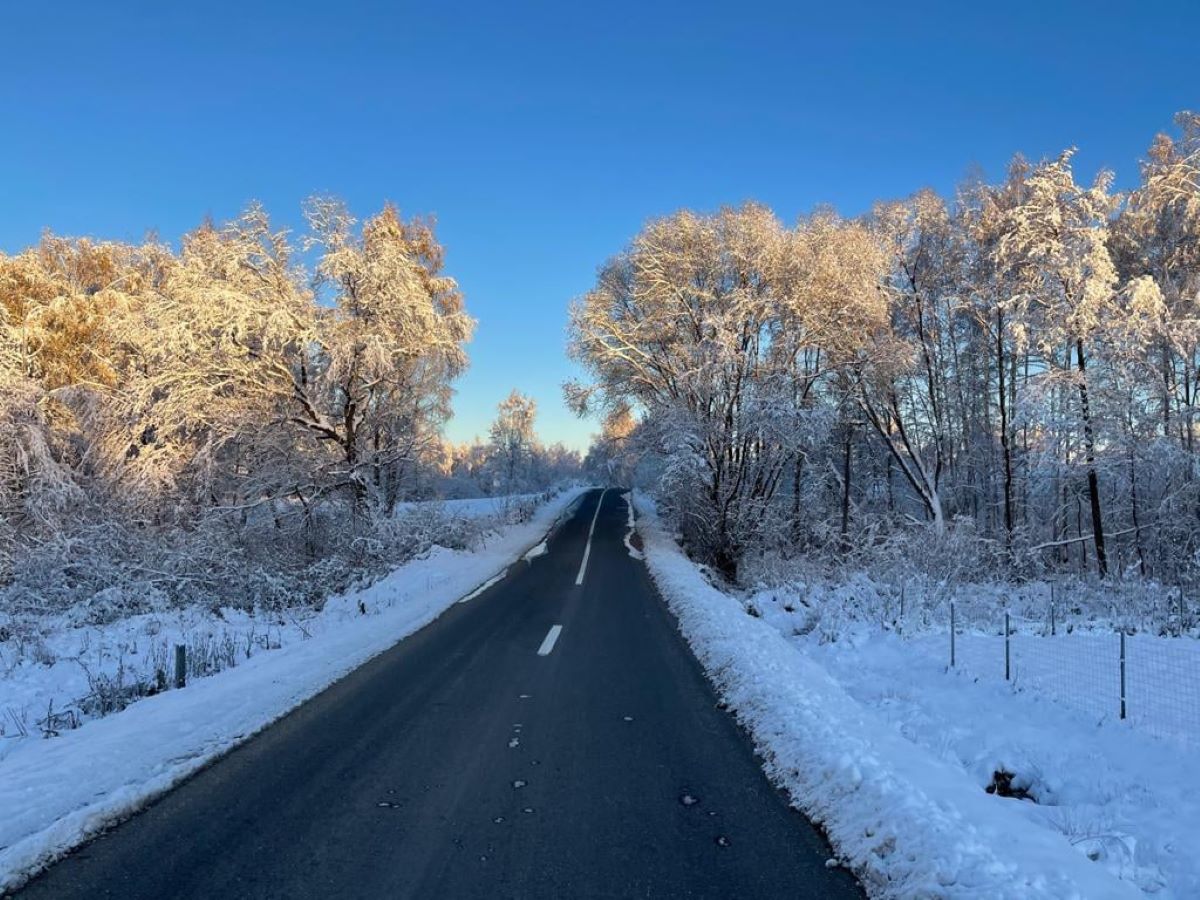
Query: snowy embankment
[(473, 507), (909, 820), (54, 793)]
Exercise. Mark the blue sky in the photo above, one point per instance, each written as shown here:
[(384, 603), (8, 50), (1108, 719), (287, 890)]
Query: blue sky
[(543, 135)]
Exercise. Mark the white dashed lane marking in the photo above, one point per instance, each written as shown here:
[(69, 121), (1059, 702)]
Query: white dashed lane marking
[(551, 639)]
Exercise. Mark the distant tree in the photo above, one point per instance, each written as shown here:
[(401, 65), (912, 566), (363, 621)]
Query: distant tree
[(703, 326), (512, 442)]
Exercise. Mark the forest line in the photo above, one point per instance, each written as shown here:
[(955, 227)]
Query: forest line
[(1009, 376), (240, 419)]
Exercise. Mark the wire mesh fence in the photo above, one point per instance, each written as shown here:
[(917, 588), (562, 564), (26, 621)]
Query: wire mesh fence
[(1150, 680)]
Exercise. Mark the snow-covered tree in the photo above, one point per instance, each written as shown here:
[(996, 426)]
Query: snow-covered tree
[(1014, 367), (333, 387), (178, 395), (705, 327), (512, 443), (1056, 244)]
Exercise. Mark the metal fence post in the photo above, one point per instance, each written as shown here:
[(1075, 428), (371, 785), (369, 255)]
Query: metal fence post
[(1122, 673), (952, 630), (1007, 653), (1053, 598), (180, 665)]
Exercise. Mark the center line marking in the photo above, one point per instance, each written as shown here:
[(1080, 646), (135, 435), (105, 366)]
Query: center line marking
[(587, 551), (551, 638)]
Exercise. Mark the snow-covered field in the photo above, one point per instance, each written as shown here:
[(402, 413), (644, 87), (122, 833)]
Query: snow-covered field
[(1118, 793), (1082, 670), (56, 791), (474, 507), (891, 752)]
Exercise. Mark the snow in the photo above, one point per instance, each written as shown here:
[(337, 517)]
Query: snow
[(473, 507), (631, 527), (57, 792), (534, 552), (899, 795), (1113, 789), (495, 579), (1082, 670)]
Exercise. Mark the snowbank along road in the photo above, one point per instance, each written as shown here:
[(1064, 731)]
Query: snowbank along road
[(551, 736)]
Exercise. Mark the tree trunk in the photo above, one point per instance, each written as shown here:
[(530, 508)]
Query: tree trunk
[(1004, 444), (1089, 445), (797, 480), (846, 488), (1133, 503)]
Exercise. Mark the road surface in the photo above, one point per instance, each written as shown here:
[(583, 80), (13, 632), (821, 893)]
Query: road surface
[(551, 737)]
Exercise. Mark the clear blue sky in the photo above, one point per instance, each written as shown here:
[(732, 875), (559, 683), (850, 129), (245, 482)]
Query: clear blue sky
[(543, 135)]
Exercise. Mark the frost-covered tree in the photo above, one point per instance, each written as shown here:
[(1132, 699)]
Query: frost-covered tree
[(707, 326), (1158, 236), (1056, 244), (332, 382), (1013, 369), (512, 443), (612, 456), (905, 384), (394, 345), (177, 410)]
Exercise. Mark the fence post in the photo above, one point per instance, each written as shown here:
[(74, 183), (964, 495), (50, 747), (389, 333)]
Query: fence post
[(1181, 628), (1122, 673), (1053, 619), (1007, 653), (952, 630), (180, 665)]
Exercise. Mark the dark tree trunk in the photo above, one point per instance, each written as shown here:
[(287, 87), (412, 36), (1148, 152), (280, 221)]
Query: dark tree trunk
[(1089, 446), (846, 489), (1133, 503), (1004, 443), (797, 481)]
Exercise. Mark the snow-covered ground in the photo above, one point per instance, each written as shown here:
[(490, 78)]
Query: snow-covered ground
[(1082, 670), (891, 753), (55, 792), (474, 507), (1118, 793)]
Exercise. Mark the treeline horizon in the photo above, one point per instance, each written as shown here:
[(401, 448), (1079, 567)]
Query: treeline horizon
[(1009, 376), (1006, 378), (251, 403)]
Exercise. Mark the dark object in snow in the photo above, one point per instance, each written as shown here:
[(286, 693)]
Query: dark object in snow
[(1002, 786)]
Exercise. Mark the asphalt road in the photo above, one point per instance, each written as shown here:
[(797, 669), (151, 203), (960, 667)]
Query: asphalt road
[(479, 758)]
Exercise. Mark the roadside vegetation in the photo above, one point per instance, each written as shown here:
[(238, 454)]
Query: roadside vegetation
[(246, 421), (999, 384)]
